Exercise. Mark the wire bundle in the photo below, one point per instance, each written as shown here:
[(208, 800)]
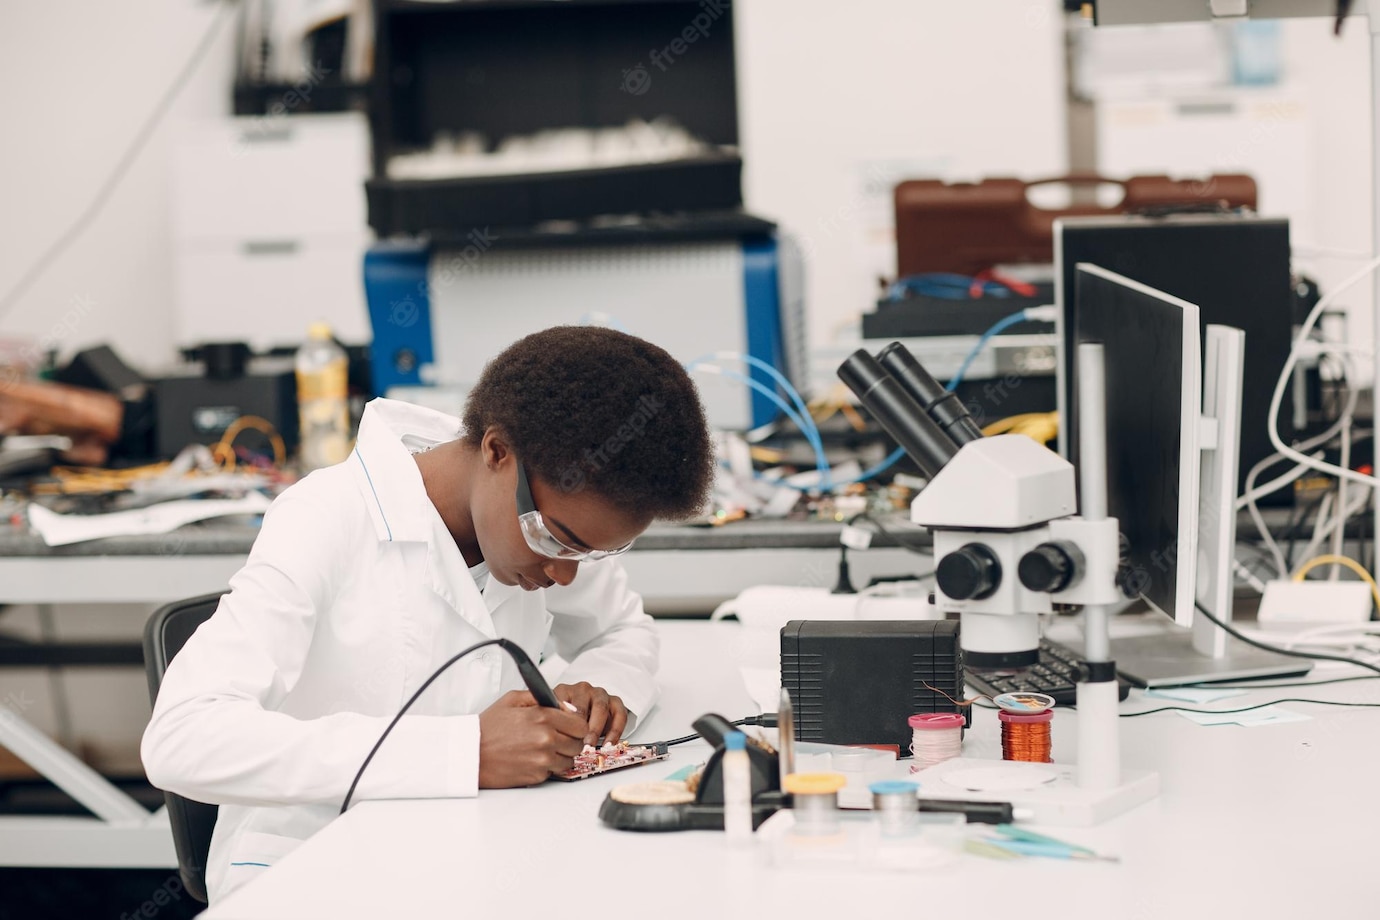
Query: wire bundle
[(1025, 736), (935, 738)]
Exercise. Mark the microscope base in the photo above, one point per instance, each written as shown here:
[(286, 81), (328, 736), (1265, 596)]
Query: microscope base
[(1049, 791)]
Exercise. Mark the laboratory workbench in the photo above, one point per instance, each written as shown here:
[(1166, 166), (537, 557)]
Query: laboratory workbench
[(1263, 822)]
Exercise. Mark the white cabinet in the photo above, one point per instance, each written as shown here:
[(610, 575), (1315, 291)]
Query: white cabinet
[(270, 226)]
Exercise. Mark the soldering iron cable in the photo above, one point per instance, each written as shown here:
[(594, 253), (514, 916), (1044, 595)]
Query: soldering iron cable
[(531, 676)]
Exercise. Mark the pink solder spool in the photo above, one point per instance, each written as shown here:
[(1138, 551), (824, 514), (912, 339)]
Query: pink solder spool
[(935, 738)]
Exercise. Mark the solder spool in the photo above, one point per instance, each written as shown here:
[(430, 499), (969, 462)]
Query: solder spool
[(815, 801), (896, 806), (935, 738), (1025, 736)]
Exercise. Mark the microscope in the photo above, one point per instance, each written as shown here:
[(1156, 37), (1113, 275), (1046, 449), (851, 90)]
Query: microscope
[(1009, 545)]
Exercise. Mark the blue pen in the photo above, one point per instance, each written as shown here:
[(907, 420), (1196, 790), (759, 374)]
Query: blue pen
[(1029, 843), (1051, 850)]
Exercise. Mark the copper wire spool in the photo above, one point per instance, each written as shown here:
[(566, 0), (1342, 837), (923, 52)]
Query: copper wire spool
[(1025, 737)]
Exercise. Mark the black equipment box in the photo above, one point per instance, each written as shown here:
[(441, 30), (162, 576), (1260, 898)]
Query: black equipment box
[(196, 409), (859, 681), (919, 315)]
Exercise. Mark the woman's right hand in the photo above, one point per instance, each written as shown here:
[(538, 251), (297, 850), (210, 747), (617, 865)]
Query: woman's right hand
[(522, 744)]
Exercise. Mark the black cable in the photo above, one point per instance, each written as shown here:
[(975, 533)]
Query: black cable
[(1292, 653), (674, 741), (897, 579), (406, 706), (766, 720), (844, 583), (1292, 683), (141, 138), (1215, 712)]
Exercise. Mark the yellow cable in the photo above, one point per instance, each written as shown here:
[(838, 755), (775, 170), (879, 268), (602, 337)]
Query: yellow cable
[(224, 451), (853, 417), (86, 480), (1352, 564), (1039, 426)]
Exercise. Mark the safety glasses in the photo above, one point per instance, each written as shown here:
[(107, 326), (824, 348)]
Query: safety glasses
[(541, 540)]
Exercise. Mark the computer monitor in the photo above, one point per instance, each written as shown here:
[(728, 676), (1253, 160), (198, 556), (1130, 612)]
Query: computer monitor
[(1172, 440), (1235, 268), (1154, 387)]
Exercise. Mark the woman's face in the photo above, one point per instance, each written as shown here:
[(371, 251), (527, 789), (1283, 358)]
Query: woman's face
[(580, 519)]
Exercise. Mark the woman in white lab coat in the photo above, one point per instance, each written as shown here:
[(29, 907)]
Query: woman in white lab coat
[(429, 538)]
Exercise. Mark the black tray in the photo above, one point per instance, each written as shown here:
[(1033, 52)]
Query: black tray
[(451, 207)]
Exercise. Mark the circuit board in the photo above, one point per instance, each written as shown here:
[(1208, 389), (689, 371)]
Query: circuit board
[(594, 761)]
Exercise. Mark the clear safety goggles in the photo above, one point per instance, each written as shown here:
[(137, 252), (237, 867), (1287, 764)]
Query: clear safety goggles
[(540, 539)]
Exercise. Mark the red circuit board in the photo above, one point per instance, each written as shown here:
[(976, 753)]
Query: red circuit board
[(594, 761)]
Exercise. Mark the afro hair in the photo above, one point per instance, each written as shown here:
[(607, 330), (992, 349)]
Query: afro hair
[(592, 408)]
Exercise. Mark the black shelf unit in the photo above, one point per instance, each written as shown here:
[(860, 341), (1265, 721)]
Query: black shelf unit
[(327, 96), (429, 6), (516, 67)]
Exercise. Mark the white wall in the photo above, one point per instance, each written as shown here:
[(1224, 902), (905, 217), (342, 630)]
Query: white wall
[(1334, 74), (1307, 141), (79, 78), (833, 95)]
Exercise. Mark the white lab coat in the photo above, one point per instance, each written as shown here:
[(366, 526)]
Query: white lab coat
[(353, 594)]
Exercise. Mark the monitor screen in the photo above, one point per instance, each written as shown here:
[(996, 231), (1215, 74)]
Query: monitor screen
[(1235, 268), (1154, 396)]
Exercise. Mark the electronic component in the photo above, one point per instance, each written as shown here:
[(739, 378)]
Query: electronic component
[(859, 681), (593, 761), (197, 402)]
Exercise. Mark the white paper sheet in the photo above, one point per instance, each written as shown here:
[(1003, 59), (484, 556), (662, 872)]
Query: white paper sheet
[(63, 529), (1269, 715), (1199, 695)]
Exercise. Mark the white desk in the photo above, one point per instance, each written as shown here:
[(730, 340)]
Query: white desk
[(1251, 823), (677, 569)]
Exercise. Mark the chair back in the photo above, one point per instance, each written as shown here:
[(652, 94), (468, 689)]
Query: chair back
[(192, 822)]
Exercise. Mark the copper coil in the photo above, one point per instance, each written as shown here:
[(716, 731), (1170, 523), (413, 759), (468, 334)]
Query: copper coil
[(1026, 742)]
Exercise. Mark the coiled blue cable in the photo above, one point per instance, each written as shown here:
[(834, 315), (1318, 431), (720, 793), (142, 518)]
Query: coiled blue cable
[(800, 418), (997, 328), (811, 433)]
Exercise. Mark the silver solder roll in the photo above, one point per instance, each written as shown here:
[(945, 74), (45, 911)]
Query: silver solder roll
[(896, 805), (815, 801)]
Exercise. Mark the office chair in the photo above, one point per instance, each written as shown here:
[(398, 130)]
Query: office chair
[(192, 822)]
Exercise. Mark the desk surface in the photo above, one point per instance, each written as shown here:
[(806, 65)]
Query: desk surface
[(1251, 823), (236, 536)]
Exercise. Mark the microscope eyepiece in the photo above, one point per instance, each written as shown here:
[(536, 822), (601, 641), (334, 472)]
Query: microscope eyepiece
[(944, 407), (897, 412)]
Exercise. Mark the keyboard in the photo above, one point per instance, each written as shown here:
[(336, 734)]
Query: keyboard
[(1055, 674)]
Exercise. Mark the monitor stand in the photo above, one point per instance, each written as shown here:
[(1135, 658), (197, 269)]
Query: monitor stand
[(1205, 652), (1171, 660)]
